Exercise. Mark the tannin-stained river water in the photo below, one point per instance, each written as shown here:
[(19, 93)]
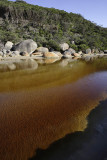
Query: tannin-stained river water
[(39, 107)]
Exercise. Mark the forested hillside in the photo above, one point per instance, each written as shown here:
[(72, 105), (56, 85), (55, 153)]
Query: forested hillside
[(48, 27)]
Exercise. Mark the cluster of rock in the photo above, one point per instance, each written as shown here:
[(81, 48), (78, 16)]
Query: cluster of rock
[(23, 55), (24, 48), (29, 48)]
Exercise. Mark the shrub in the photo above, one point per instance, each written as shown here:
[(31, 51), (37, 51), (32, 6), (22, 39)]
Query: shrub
[(53, 44), (83, 47)]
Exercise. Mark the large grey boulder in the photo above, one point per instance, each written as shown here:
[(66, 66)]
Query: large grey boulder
[(28, 46), (8, 45), (64, 46)]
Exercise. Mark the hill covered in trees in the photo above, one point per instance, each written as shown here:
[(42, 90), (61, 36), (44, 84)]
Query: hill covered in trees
[(48, 26)]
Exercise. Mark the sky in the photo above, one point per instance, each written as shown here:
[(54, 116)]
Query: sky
[(93, 10)]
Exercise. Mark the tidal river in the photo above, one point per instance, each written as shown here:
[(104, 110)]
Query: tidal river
[(57, 112)]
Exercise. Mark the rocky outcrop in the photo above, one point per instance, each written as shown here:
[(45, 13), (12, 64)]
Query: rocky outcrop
[(28, 46)]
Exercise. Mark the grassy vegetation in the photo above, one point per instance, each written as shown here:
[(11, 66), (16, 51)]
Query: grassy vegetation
[(49, 26)]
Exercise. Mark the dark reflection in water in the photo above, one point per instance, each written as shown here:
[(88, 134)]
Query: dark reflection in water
[(40, 107), (88, 145)]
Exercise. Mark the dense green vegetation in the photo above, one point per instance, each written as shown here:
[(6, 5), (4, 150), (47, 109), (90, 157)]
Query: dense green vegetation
[(49, 26)]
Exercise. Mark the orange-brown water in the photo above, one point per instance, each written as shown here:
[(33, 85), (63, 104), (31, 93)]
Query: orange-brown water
[(40, 107)]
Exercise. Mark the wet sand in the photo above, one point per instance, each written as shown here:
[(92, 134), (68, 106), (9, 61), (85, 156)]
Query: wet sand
[(34, 114)]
